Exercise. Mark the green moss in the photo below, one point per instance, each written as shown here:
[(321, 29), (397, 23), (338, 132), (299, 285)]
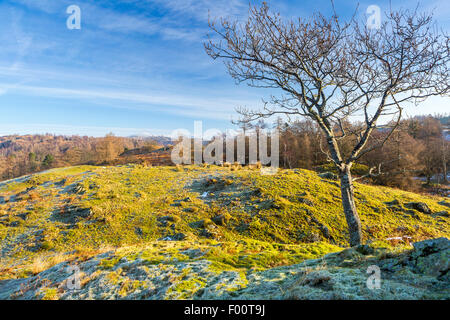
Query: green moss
[(186, 288), (49, 294), (269, 220), (258, 255), (357, 169), (129, 286), (109, 263)]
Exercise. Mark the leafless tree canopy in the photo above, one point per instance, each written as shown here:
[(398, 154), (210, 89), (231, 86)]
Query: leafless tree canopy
[(329, 70)]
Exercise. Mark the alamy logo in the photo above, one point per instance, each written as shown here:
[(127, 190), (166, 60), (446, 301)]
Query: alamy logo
[(258, 145), (73, 282), (374, 19), (74, 20), (374, 280)]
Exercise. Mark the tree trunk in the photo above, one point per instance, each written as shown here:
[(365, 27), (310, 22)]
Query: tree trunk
[(444, 159), (445, 173), (348, 203), (428, 179)]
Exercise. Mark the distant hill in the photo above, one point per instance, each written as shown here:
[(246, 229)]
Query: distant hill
[(24, 154), (162, 140)]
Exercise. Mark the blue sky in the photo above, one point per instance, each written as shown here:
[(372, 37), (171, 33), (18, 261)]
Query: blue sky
[(135, 67)]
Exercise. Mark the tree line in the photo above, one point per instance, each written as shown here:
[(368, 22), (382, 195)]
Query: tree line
[(21, 155), (417, 148)]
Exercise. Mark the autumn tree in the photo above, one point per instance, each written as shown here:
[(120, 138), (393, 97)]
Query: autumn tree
[(48, 161), (329, 70), (397, 161), (32, 159), (434, 157), (300, 142), (107, 148)]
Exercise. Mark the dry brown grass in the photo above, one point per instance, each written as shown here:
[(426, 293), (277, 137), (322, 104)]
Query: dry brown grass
[(41, 263)]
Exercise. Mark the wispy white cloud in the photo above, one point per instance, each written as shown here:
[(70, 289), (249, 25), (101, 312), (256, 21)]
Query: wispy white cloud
[(199, 9), (168, 26), (47, 6), (97, 131), (440, 9), (214, 108), (21, 44), (110, 20)]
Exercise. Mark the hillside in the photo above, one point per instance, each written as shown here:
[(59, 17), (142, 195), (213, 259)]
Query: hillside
[(213, 232)]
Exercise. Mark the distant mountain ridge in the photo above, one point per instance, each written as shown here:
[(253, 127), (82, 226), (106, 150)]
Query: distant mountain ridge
[(163, 140)]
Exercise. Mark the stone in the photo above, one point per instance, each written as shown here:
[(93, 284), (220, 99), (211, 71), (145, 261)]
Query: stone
[(412, 213), (220, 220), (138, 231), (23, 216), (340, 275), (306, 201), (207, 234), (179, 236), (313, 237), (328, 175), (166, 218), (14, 224), (442, 214), (275, 205), (79, 189), (175, 237), (320, 279), (444, 203), (61, 182), (419, 206), (349, 254), (365, 249), (71, 214), (325, 231), (426, 247), (392, 203), (432, 257)]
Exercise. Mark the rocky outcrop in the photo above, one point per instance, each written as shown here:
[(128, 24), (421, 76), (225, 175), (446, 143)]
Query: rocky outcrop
[(421, 273), (328, 175), (419, 206), (432, 257)]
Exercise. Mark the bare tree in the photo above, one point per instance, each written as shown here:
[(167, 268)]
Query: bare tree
[(329, 70)]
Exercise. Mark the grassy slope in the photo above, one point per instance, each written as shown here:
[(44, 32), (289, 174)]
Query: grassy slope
[(266, 220)]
